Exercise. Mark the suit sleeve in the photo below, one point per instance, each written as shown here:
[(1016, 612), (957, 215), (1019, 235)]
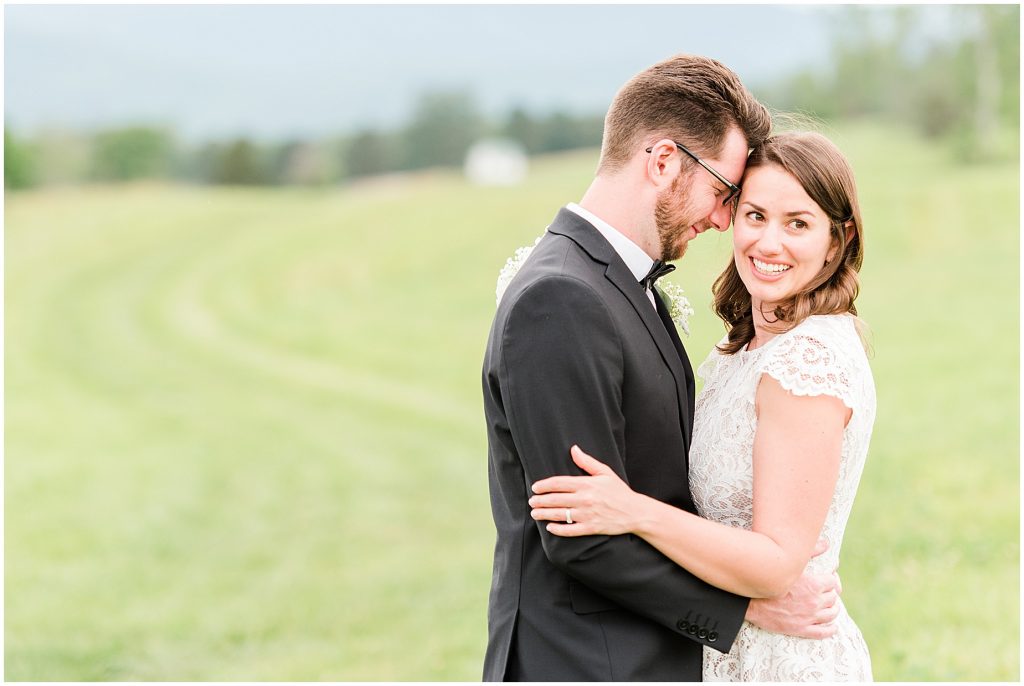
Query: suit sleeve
[(564, 369)]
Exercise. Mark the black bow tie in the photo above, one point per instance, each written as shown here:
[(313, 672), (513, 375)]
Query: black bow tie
[(658, 270)]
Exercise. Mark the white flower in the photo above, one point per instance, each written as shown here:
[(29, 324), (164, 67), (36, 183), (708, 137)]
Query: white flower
[(512, 266), (679, 308)]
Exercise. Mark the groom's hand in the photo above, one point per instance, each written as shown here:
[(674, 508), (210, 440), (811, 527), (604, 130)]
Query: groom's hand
[(808, 610)]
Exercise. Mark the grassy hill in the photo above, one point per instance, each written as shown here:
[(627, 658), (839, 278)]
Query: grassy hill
[(244, 433)]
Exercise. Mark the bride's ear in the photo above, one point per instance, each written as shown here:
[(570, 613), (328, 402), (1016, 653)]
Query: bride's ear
[(851, 230), (850, 233)]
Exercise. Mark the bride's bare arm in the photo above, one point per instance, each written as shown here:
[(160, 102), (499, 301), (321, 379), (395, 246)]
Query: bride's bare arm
[(796, 464)]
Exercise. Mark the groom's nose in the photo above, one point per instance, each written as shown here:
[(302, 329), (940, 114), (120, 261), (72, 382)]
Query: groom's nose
[(721, 217)]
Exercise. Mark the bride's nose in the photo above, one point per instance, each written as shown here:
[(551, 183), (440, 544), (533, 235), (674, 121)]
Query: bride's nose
[(770, 242)]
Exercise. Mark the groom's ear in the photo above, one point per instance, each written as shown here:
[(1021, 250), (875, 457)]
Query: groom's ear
[(662, 163)]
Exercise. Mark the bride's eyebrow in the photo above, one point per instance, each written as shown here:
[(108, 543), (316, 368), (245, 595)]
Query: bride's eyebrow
[(794, 213)]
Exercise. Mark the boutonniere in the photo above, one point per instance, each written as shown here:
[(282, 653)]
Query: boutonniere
[(512, 266), (679, 308)]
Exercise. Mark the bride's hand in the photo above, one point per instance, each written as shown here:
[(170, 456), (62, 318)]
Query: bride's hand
[(598, 504)]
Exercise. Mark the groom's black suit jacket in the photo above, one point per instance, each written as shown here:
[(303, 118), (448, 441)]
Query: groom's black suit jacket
[(577, 354)]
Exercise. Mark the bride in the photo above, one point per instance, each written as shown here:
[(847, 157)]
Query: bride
[(782, 425)]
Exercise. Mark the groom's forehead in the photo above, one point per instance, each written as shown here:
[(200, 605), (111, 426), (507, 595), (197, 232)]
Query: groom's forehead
[(732, 160)]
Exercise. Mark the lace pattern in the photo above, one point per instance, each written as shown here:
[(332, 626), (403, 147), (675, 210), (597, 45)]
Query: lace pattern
[(821, 356)]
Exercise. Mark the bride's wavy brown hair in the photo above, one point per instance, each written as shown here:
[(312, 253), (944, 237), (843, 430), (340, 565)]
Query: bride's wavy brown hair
[(827, 178)]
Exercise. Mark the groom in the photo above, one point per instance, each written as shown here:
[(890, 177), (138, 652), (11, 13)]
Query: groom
[(582, 350)]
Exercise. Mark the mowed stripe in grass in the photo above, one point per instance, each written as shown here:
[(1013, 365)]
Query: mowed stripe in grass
[(220, 492), (244, 434)]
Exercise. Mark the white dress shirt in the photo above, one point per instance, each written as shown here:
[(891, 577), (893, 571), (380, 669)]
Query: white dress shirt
[(638, 261)]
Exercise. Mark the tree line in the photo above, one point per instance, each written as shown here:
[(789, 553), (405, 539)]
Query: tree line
[(961, 89), (441, 130)]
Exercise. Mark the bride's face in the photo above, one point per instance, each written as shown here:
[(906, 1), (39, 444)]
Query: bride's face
[(781, 237)]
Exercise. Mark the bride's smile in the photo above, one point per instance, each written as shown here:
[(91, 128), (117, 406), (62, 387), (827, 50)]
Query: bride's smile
[(781, 237)]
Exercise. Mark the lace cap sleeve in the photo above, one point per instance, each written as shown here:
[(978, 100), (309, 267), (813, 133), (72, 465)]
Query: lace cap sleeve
[(812, 360)]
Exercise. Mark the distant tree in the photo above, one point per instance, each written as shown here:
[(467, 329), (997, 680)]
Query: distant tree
[(185, 164), (299, 163), (520, 126), (19, 170), (443, 127), (995, 74), (368, 153), (560, 131), (61, 157), (936, 107), (203, 161), (1003, 25), (963, 85), (131, 153), (872, 73), (278, 160), (238, 163), (589, 131), (809, 92)]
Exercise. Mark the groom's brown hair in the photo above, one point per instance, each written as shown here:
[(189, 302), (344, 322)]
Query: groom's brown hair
[(691, 99)]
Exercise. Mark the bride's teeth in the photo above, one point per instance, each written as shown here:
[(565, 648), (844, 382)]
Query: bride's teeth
[(770, 268)]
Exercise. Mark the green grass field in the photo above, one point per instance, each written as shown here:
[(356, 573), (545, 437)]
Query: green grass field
[(244, 433)]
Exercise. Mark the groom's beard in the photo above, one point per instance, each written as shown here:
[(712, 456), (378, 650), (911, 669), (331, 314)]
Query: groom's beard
[(673, 217)]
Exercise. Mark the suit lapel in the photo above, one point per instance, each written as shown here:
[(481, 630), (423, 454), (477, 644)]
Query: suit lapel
[(670, 326), (573, 226)]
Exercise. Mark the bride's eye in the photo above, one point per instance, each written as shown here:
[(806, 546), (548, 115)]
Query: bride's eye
[(755, 216)]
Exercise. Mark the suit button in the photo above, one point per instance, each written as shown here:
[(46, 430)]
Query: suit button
[(703, 633), (692, 630), (682, 625), (712, 636)]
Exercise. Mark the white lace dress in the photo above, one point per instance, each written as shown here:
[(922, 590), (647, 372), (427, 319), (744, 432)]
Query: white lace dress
[(822, 355)]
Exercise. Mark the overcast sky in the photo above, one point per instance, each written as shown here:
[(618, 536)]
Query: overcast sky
[(273, 71)]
